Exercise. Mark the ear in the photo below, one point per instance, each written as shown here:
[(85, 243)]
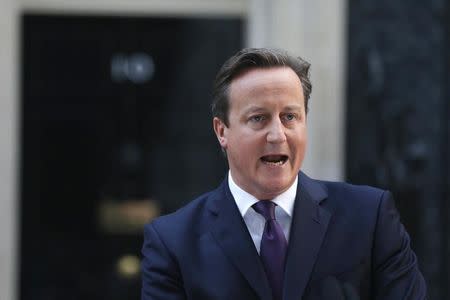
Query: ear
[(221, 131)]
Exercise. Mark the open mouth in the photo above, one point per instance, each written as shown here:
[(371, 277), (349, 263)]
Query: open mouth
[(274, 160)]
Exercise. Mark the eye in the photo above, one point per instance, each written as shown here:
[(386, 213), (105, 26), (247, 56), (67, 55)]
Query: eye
[(290, 117), (256, 118)]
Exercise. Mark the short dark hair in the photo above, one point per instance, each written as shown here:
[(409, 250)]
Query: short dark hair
[(255, 58)]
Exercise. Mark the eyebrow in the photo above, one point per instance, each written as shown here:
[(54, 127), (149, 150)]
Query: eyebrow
[(255, 109), (293, 107)]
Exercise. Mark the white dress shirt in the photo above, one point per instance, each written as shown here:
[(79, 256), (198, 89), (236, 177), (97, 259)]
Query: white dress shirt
[(254, 221)]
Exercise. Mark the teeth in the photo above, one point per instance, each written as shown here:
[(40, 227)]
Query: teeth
[(278, 163)]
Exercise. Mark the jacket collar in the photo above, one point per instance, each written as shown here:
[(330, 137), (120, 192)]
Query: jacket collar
[(308, 229), (309, 225)]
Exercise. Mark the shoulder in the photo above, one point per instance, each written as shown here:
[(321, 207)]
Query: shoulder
[(335, 188), (356, 203), (342, 191), (357, 196)]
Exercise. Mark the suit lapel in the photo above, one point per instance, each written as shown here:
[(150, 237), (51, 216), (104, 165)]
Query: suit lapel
[(231, 233), (309, 225)]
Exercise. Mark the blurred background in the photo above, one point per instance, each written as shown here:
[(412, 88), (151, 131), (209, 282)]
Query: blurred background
[(104, 105)]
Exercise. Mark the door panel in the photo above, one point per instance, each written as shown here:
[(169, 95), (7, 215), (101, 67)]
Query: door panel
[(397, 119), (116, 129)]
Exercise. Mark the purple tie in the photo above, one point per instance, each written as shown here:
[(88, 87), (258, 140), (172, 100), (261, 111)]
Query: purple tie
[(273, 247)]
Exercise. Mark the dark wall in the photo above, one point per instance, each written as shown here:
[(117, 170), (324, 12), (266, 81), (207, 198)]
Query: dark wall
[(115, 126), (398, 119)]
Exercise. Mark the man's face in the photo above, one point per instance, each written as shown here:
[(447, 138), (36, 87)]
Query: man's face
[(266, 138)]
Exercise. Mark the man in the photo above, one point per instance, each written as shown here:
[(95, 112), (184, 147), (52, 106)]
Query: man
[(269, 231)]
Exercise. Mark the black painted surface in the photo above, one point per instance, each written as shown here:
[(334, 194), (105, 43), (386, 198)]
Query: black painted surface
[(398, 116), (89, 133)]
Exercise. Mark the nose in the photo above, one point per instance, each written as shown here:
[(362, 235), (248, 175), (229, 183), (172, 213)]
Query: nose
[(276, 132)]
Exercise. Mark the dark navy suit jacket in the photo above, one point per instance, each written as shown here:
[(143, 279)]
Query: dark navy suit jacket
[(349, 233)]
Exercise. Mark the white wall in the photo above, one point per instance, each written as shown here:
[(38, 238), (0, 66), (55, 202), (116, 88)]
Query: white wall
[(139, 7), (314, 30), (8, 148)]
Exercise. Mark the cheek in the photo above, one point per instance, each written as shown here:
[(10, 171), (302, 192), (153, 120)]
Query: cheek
[(302, 148), (298, 143), (246, 148)]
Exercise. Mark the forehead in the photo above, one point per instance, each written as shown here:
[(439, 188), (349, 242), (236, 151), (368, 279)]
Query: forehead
[(261, 84)]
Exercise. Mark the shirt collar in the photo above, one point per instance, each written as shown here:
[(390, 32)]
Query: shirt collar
[(245, 200)]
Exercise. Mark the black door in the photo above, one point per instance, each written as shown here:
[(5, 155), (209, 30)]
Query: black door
[(398, 119), (115, 129)]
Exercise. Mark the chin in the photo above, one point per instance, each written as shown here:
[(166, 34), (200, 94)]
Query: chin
[(276, 188)]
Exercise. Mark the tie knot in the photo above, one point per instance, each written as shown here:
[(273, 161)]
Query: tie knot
[(265, 208)]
